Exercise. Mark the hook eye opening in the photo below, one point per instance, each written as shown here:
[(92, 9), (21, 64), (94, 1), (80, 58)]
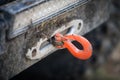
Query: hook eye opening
[(77, 45)]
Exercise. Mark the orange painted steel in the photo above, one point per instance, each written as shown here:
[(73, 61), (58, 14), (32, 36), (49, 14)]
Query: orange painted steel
[(84, 54)]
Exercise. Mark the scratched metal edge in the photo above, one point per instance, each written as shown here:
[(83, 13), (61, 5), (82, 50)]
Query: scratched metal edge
[(61, 11), (19, 6)]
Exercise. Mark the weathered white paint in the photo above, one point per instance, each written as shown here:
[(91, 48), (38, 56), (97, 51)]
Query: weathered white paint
[(41, 53)]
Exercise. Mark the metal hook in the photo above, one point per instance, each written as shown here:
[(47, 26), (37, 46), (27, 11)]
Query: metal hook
[(84, 54)]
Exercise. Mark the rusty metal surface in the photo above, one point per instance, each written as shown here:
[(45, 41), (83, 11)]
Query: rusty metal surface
[(14, 61)]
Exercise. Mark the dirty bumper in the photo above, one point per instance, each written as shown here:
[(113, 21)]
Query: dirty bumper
[(26, 31)]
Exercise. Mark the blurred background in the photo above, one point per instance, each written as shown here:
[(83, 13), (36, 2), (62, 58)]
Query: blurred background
[(104, 64)]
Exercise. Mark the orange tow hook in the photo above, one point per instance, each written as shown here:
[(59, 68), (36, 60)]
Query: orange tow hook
[(65, 41)]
